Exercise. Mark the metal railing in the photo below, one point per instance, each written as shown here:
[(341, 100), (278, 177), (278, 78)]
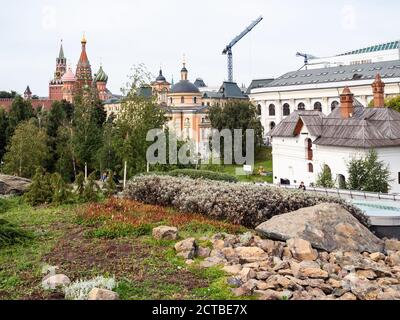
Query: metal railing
[(344, 193)]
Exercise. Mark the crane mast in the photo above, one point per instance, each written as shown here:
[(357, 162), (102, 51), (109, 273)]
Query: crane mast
[(228, 49)]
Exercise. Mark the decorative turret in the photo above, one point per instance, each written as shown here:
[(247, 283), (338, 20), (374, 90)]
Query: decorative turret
[(346, 104), (83, 69), (184, 72), (27, 93), (69, 82), (100, 79)]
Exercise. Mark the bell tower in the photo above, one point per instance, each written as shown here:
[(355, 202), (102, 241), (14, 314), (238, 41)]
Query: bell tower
[(55, 86)]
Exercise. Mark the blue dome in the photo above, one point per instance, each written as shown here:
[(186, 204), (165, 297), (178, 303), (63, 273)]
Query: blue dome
[(160, 77), (184, 86)]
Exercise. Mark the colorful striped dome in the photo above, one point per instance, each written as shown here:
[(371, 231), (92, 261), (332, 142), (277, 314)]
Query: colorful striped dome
[(101, 76)]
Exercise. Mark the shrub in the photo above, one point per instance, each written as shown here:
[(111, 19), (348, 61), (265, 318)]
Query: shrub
[(203, 174), (10, 234), (4, 205), (40, 191), (244, 204), (61, 191), (79, 290)]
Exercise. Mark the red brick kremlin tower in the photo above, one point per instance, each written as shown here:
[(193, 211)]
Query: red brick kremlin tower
[(56, 84), (83, 70)]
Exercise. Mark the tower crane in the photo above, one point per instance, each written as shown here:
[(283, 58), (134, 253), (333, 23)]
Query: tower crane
[(228, 50), (307, 57)]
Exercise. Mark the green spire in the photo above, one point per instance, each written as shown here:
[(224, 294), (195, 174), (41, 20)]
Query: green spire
[(61, 54)]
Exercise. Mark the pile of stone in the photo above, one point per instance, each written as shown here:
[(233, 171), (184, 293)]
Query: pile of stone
[(327, 256)]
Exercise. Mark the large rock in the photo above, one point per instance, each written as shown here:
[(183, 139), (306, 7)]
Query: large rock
[(187, 248), (11, 185), (302, 250), (326, 226), (102, 294), (56, 281), (165, 233), (251, 254)]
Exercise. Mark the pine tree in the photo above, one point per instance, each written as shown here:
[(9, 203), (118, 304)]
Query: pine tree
[(91, 190), (110, 185), (40, 191), (324, 178), (61, 191)]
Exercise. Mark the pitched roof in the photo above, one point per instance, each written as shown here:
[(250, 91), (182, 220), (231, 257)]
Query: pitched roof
[(258, 83), (231, 90), (367, 71), (368, 128), (380, 47)]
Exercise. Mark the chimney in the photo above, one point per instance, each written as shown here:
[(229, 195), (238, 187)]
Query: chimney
[(346, 103), (378, 88)]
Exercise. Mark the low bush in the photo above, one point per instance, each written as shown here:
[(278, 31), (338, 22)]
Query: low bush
[(10, 234), (244, 204), (202, 174), (79, 290)]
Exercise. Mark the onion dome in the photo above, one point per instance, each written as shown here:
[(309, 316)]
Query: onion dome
[(160, 77), (69, 76), (101, 76)]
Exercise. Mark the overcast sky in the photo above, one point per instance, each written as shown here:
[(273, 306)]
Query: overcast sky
[(122, 33)]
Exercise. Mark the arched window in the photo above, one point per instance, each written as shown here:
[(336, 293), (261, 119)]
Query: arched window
[(310, 155), (272, 125), (301, 106), (318, 106), (286, 109), (271, 109), (194, 100), (259, 109), (334, 105), (342, 181), (182, 99), (310, 168)]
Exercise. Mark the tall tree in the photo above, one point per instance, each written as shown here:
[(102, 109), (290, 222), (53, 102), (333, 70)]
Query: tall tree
[(21, 110), (369, 174), (27, 150), (87, 124), (324, 178), (237, 115)]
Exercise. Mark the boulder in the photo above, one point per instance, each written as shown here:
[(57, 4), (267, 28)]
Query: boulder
[(392, 245), (102, 294), (233, 270), (12, 185), (203, 252), (186, 249), (326, 226), (165, 233), (308, 269), (302, 249), (53, 282), (275, 295), (250, 254)]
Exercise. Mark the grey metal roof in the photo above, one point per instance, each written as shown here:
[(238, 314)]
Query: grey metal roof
[(230, 90), (367, 71), (184, 86), (367, 128), (199, 83), (380, 47), (259, 83)]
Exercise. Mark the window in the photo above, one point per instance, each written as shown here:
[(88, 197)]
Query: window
[(286, 109), (310, 168), (194, 100), (272, 125), (318, 106), (334, 105), (170, 100), (301, 106), (259, 109), (271, 109), (182, 99), (310, 155), (399, 177)]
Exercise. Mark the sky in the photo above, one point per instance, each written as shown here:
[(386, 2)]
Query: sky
[(124, 33)]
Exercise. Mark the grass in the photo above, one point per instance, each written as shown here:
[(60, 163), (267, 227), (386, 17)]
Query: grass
[(263, 159), (112, 238)]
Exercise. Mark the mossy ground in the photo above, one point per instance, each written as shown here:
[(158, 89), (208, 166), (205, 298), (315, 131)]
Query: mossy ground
[(109, 239)]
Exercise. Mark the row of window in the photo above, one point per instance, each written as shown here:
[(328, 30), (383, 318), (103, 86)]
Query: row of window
[(300, 106)]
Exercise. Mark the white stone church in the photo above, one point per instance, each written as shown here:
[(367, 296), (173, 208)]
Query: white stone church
[(307, 140)]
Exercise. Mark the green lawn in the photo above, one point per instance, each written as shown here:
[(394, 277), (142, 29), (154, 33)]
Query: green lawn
[(263, 159), (143, 267)]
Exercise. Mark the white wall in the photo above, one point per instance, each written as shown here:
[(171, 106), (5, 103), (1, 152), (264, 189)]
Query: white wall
[(289, 160)]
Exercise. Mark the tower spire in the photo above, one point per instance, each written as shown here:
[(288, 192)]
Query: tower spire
[(184, 72), (61, 54)]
